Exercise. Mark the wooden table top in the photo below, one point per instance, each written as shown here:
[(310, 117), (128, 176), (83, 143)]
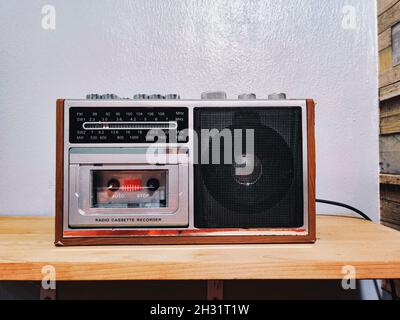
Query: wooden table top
[(26, 245)]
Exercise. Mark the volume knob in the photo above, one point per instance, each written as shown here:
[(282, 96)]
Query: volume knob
[(214, 95)]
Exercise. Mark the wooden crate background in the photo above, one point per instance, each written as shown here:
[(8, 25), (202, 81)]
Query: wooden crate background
[(389, 75), (389, 83), (389, 95)]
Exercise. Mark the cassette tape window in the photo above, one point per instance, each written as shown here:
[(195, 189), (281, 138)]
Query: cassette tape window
[(129, 189)]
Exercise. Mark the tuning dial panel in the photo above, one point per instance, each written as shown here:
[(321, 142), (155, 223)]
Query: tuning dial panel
[(127, 124)]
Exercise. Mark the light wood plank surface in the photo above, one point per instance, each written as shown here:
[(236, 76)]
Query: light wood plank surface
[(26, 245)]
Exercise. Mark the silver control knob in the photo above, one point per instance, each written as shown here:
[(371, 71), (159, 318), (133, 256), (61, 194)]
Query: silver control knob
[(140, 96), (247, 96), (172, 96), (109, 96), (96, 96), (214, 95), (92, 96), (156, 97), (277, 96)]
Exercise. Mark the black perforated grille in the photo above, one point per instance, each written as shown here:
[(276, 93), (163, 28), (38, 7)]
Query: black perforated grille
[(272, 195)]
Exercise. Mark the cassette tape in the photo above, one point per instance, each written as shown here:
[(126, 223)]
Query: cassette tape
[(129, 189)]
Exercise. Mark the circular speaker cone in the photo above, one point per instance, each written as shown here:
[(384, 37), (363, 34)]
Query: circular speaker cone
[(238, 188), (246, 169)]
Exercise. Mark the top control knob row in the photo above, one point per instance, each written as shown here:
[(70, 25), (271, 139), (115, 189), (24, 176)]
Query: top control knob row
[(210, 95), (221, 95), (140, 96)]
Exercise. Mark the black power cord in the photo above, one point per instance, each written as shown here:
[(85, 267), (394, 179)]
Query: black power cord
[(362, 214), (343, 205)]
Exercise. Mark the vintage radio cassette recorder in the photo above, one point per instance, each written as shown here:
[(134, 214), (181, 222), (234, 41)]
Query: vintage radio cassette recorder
[(157, 169)]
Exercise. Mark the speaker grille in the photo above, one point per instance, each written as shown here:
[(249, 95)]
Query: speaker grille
[(272, 195)]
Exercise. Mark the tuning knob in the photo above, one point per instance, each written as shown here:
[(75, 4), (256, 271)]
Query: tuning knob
[(214, 95), (172, 96), (277, 96), (247, 96)]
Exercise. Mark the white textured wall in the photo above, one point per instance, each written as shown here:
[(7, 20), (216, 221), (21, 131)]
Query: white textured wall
[(295, 46)]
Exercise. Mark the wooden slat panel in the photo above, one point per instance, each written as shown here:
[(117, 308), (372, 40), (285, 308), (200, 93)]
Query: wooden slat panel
[(391, 193), (390, 116), (384, 5), (392, 179), (389, 18), (390, 91), (385, 40), (390, 211), (390, 225), (385, 65), (390, 107), (390, 205), (390, 124), (388, 15), (390, 154), (390, 76)]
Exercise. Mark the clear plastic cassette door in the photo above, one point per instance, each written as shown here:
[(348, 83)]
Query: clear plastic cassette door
[(129, 189)]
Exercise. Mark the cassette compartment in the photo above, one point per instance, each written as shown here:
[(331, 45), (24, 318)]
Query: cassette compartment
[(115, 187)]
